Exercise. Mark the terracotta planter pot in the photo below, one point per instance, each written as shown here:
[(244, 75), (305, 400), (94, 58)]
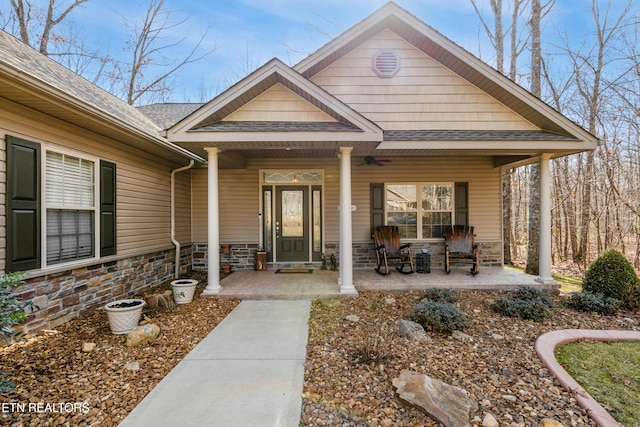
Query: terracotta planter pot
[(226, 268)]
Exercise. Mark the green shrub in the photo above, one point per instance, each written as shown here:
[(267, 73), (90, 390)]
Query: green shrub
[(526, 302), (613, 276), (448, 296), (12, 312), (438, 316), (599, 303), (527, 293)]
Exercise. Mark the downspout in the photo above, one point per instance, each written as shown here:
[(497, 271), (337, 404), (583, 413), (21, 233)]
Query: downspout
[(173, 215)]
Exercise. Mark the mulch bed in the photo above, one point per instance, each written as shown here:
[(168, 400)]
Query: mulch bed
[(498, 367), (341, 386), (68, 387)]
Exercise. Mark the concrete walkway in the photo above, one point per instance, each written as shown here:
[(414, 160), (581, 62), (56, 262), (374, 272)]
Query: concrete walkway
[(249, 371)]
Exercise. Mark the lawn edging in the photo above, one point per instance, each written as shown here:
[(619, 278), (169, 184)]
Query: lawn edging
[(546, 345)]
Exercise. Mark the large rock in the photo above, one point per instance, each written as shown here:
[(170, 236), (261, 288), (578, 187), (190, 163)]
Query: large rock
[(447, 404), (142, 335), (412, 330)]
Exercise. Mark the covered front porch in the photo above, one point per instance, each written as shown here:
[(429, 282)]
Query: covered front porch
[(250, 284)]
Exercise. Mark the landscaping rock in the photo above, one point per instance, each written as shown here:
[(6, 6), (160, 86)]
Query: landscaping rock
[(142, 335), (352, 318), (461, 336), (447, 404), (88, 347), (549, 422), (490, 421), (390, 301), (628, 322), (412, 330), (132, 366)]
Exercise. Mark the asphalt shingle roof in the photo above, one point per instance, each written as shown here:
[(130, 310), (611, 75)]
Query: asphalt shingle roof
[(473, 135), (279, 127), (167, 115), (30, 62)]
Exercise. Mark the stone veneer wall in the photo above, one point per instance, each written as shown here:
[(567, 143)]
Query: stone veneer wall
[(242, 256), (364, 255), (68, 294)]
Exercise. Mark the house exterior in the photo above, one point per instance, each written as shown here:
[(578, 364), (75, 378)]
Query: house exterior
[(389, 123)]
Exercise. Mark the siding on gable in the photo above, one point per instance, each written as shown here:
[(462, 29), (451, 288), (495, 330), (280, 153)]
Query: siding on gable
[(239, 194), (278, 104), (422, 95), (142, 180)]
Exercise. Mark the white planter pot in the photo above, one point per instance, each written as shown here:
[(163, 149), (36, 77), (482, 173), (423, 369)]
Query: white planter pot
[(124, 319), (183, 290)]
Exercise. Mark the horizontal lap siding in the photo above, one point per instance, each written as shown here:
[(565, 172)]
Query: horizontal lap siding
[(240, 197), (422, 95), (279, 104), (142, 180), (484, 189)]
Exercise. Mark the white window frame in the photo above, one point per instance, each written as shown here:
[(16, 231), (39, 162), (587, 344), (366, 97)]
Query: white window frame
[(46, 206), (419, 211)]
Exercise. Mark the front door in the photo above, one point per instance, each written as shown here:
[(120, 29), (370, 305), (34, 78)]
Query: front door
[(292, 223)]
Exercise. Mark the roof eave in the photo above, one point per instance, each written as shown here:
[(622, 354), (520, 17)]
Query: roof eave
[(63, 99)]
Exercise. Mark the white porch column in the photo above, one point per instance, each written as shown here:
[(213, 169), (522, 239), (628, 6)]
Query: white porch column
[(213, 224), (346, 230), (544, 263)]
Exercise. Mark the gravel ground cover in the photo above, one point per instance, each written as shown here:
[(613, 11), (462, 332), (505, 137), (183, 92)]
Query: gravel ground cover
[(349, 369), (101, 387), (498, 365)]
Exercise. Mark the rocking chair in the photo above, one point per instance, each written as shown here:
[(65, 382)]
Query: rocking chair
[(459, 247), (389, 250)]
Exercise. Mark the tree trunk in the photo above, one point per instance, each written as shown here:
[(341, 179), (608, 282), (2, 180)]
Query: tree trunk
[(533, 253), (507, 212)]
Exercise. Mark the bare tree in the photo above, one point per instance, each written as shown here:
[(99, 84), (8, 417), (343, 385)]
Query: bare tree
[(496, 36), (46, 18), (591, 65), (148, 47), (533, 251)]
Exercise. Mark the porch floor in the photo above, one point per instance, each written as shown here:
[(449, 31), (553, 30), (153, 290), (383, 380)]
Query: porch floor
[(250, 284)]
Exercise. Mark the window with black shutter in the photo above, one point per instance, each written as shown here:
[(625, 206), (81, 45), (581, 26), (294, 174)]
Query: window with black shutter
[(23, 204)]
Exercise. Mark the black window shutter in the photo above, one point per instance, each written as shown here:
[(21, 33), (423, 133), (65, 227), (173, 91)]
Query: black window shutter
[(23, 209), (107, 208), (377, 206), (462, 203)]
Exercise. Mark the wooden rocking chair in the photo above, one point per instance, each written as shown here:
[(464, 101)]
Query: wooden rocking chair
[(389, 250), (459, 247)]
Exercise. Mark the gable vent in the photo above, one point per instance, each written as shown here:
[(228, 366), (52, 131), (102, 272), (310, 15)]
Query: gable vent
[(386, 63)]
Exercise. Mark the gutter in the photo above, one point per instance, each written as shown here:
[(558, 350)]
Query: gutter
[(173, 215), (94, 112)]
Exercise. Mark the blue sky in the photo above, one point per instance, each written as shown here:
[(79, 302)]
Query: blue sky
[(248, 33)]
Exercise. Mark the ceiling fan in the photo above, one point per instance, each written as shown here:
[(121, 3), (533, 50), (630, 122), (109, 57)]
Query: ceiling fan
[(370, 160)]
